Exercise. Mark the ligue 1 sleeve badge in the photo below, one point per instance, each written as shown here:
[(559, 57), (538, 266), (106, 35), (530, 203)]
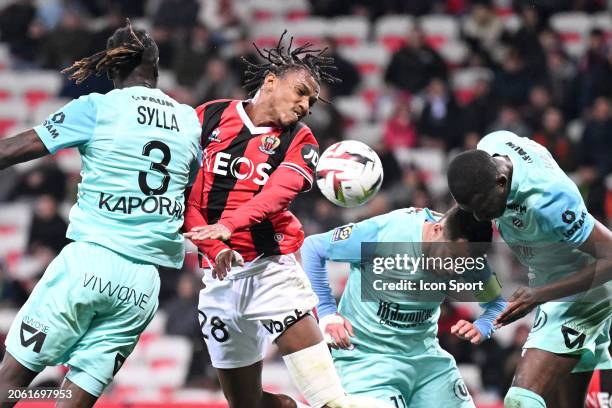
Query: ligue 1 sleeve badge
[(269, 143)]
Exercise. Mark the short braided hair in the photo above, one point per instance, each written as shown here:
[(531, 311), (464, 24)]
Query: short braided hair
[(279, 60), (125, 50)]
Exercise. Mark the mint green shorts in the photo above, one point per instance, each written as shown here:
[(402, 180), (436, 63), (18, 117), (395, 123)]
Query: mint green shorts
[(87, 312), (574, 328), (421, 381)]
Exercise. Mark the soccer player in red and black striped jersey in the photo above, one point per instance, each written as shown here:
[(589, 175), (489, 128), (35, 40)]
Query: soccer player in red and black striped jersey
[(257, 157)]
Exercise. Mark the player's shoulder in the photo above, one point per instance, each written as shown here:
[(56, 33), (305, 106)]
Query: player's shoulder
[(301, 133), (395, 216), (496, 139), (215, 104), (560, 203)]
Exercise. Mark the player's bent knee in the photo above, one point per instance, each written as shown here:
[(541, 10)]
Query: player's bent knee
[(518, 397), (85, 381)]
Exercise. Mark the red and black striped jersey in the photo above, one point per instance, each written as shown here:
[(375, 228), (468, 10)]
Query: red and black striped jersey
[(248, 178)]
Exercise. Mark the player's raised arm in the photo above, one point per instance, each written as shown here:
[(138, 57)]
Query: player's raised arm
[(341, 244), (293, 175), (23, 147), (598, 245), (568, 217), (72, 125)]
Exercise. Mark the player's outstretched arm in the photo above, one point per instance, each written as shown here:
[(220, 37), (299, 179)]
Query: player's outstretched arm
[(599, 245), (282, 187), (21, 148), (336, 329), (481, 329)]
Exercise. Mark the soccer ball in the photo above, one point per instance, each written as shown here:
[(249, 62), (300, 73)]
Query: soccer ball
[(349, 173)]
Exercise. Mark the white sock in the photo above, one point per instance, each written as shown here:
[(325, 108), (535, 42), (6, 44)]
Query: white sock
[(313, 372)]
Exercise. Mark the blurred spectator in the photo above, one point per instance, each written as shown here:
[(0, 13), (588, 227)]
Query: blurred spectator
[(193, 55), (509, 119), (182, 320), (482, 28), (113, 20), (480, 113), (46, 178), (69, 42), (15, 20), (316, 212), (325, 121), (132, 8), (562, 80), (552, 135), (47, 228), (346, 71), (8, 180), (487, 356), (410, 190), (550, 40), (595, 163), (392, 171), (239, 49), (440, 118), (182, 309), (597, 137), (176, 14), (539, 101), (216, 83), (400, 129), (526, 42), (595, 71), (165, 43), (512, 82), (413, 66)]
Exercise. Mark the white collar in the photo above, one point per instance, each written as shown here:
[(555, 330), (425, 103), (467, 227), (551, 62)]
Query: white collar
[(255, 130)]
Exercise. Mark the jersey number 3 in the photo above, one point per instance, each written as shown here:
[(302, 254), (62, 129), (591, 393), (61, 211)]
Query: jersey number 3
[(157, 166)]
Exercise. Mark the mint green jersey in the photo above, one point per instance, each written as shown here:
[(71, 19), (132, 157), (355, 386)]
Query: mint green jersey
[(139, 150), (405, 328), (545, 218)]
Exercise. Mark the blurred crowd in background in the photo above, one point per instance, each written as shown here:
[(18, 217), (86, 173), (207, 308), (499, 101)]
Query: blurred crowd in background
[(452, 71)]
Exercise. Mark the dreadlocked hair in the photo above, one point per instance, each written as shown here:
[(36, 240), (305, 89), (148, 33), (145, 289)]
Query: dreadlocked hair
[(279, 60), (125, 50)]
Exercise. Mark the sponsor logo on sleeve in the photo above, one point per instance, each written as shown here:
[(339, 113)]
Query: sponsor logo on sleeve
[(58, 117), (570, 216), (342, 233), (310, 154)]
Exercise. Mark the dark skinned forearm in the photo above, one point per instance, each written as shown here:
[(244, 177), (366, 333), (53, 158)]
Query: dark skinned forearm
[(21, 148), (595, 274)]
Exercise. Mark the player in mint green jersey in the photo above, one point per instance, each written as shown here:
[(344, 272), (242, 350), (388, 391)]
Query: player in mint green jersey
[(387, 349), (139, 149), (542, 217)]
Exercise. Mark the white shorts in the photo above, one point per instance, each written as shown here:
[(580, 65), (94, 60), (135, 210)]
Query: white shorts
[(253, 306)]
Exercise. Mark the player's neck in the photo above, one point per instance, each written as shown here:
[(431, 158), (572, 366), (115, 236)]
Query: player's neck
[(259, 114), (135, 81)]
